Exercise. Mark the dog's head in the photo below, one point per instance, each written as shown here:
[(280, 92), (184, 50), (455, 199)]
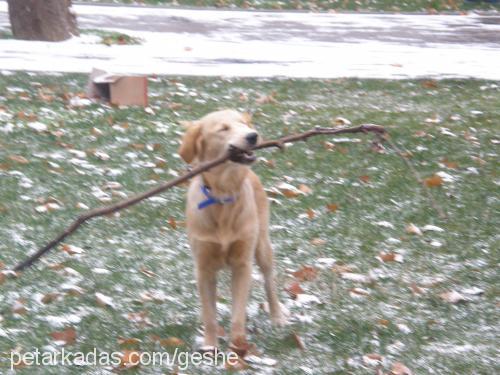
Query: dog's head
[(216, 133)]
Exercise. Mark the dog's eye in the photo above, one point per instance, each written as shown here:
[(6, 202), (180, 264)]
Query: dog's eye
[(224, 128)]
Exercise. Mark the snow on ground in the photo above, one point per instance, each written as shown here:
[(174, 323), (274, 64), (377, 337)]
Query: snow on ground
[(265, 44)]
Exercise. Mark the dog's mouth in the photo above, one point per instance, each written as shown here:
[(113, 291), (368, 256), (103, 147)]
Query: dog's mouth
[(241, 156)]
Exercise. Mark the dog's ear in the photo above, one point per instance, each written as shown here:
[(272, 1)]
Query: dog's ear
[(188, 148), (247, 118)]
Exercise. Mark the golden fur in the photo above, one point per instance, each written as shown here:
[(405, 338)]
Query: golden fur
[(230, 234)]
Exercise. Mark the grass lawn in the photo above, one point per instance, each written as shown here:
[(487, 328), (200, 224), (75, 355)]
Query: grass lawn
[(58, 154), (326, 5)]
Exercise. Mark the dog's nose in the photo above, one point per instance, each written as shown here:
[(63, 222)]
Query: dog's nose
[(252, 138)]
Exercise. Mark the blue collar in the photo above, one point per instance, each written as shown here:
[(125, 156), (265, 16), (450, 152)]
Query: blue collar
[(211, 199)]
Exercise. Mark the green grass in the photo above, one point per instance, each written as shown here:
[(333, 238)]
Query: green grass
[(444, 338), (326, 5), (110, 37)]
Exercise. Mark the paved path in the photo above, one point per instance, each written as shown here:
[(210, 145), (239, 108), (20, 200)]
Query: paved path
[(264, 44)]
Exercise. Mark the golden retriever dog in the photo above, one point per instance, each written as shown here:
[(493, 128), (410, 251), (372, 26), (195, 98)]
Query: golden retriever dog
[(227, 219)]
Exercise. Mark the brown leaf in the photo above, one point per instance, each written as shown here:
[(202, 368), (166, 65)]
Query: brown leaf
[(328, 145), (430, 84), (50, 297), (172, 223), (390, 257), (293, 289), (383, 322), (130, 359), (306, 273), (400, 369), (433, 181), (332, 207), (172, 342), (318, 241), (146, 272), (132, 341), (415, 289), (19, 159), (413, 229), (18, 307), (450, 164), (67, 336), (305, 189), (267, 99), (241, 347), (72, 250), (341, 268), (365, 179), (310, 213), (372, 359)]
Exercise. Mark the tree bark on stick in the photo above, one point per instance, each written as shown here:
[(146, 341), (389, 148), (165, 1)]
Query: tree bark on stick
[(233, 155), (47, 20)]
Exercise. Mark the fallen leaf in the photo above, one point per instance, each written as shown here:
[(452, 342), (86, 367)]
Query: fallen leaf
[(433, 181), (449, 164), (18, 307), (72, 250), (452, 297), (293, 289), (432, 228), (103, 300), (358, 292), (310, 213), (67, 336), (171, 342), (132, 341), (242, 347), (430, 84), (383, 322), (390, 257), (332, 207), (318, 241), (266, 99), (305, 189), (306, 273), (340, 121), (365, 179), (19, 159), (342, 268), (172, 223), (130, 359), (413, 229), (400, 369), (50, 297), (415, 289), (146, 272), (372, 359)]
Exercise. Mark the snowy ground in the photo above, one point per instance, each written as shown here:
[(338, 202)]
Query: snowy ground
[(265, 44)]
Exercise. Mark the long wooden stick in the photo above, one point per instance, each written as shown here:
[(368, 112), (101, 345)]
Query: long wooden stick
[(233, 155)]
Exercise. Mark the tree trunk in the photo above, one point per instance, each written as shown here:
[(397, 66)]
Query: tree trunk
[(49, 20)]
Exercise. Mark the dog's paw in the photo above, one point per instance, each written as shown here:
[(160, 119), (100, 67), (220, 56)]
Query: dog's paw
[(280, 318)]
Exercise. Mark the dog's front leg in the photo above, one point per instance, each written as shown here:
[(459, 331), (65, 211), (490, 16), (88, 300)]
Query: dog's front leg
[(240, 260), (208, 261)]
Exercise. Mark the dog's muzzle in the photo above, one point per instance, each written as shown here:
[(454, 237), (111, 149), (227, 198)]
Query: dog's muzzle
[(241, 156)]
